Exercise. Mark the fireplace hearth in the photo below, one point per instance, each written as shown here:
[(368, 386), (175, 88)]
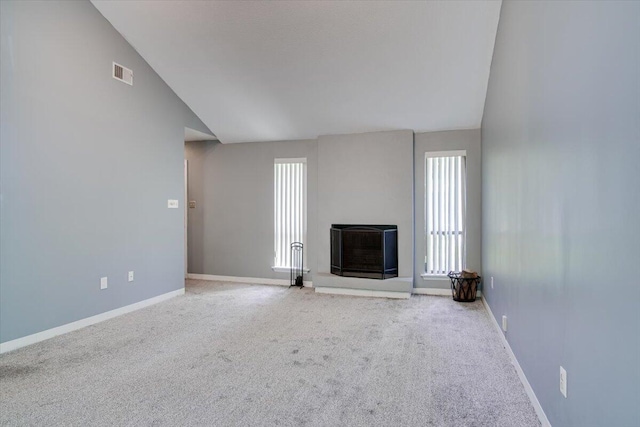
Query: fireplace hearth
[(367, 251)]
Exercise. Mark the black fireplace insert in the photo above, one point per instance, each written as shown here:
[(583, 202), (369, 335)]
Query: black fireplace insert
[(368, 251)]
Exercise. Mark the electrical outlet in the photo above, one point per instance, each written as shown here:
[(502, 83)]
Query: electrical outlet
[(103, 283), (504, 323), (491, 282), (131, 276), (563, 382)]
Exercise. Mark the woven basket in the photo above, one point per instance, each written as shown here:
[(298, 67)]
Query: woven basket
[(464, 285)]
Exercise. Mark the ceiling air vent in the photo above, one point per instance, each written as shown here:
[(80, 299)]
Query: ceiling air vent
[(123, 74)]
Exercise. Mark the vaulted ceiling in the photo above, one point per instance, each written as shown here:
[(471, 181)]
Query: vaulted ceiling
[(261, 71)]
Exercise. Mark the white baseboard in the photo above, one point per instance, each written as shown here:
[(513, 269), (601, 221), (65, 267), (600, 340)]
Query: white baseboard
[(287, 270), (78, 324), (363, 293), (248, 280), (432, 291), (437, 291), (544, 421)]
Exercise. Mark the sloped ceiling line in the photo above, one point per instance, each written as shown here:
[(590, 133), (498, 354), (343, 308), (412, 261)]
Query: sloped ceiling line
[(263, 71)]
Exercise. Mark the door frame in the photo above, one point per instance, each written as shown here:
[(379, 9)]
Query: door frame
[(186, 218)]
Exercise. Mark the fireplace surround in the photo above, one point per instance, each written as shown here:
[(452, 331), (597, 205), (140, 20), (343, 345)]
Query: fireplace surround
[(367, 251)]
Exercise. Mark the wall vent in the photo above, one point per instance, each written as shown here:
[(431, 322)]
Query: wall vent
[(123, 74)]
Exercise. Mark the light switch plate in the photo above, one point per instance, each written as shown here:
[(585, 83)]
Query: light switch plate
[(130, 277), (103, 283), (563, 381), (172, 204)]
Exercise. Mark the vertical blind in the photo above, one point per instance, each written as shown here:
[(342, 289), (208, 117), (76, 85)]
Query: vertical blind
[(445, 218), (290, 202)]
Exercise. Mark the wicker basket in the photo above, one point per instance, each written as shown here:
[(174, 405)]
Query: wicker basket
[(464, 285)]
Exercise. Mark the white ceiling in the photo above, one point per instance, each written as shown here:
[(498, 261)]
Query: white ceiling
[(195, 135), (260, 71)]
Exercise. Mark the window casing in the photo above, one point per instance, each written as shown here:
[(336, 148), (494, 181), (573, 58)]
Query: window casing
[(445, 212), (290, 208)]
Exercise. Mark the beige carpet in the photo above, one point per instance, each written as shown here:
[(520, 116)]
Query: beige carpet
[(251, 355)]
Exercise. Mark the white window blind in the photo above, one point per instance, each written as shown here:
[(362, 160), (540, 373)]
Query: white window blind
[(445, 212), (290, 201)]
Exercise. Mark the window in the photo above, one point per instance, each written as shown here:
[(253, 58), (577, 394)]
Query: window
[(445, 212), (290, 213)]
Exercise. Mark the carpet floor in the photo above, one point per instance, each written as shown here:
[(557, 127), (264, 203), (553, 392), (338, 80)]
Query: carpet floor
[(250, 355)]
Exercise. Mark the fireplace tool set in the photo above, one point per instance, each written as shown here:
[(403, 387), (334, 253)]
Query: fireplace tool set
[(297, 258)]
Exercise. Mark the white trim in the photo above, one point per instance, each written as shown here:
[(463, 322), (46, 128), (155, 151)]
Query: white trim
[(246, 280), (290, 160), (544, 421), (186, 217), (452, 153), (426, 276), (78, 324), (363, 293), (286, 269), (432, 291), (438, 291)]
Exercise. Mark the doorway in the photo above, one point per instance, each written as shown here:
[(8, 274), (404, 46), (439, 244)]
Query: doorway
[(186, 218), (192, 166)]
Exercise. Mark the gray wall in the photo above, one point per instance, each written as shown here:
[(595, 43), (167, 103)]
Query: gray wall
[(468, 140), (87, 166), (231, 229), (366, 179), (561, 145)]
